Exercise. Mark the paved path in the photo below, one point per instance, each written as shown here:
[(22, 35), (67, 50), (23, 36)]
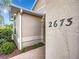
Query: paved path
[(33, 54)]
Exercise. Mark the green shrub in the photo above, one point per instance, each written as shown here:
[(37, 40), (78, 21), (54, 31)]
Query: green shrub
[(5, 34), (2, 41), (6, 26), (7, 47)]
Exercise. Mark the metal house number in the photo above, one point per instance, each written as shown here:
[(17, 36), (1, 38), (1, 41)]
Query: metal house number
[(55, 24)]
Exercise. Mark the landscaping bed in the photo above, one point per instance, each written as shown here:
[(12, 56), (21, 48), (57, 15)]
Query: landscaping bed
[(7, 45), (17, 52)]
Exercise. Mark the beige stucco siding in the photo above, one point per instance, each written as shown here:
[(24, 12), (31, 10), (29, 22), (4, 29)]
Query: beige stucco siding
[(31, 25), (39, 4), (62, 42), (30, 30)]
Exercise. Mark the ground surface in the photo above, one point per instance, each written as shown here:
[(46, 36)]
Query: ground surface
[(3, 56), (38, 53), (25, 50)]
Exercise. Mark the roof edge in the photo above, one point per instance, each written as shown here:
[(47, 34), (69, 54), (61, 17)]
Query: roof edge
[(27, 10)]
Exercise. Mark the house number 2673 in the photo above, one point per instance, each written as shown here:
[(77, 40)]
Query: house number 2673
[(55, 23)]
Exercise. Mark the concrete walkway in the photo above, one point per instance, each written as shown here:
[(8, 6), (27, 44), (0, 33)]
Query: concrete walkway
[(38, 53)]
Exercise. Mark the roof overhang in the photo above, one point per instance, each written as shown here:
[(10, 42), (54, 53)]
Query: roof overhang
[(15, 9)]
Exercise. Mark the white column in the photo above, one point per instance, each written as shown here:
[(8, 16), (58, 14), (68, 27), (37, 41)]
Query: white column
[(20, 37), (20, 32)]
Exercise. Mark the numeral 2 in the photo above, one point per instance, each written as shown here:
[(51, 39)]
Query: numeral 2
[(50, 24)]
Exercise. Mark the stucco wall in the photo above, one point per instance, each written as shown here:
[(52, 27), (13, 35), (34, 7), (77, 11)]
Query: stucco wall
[(40, 5), (31, 25), (62, 40), (31, 28)]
